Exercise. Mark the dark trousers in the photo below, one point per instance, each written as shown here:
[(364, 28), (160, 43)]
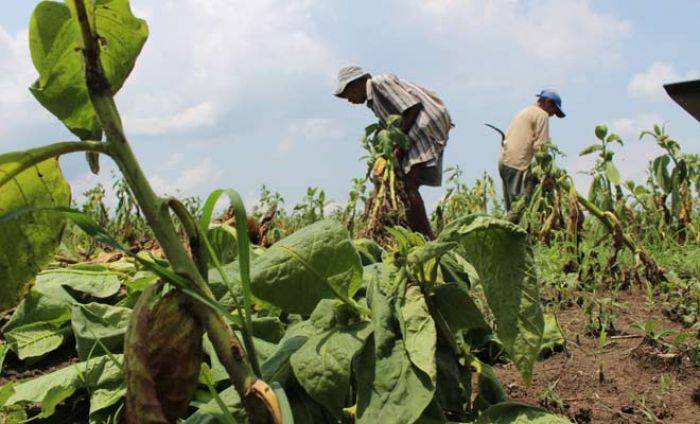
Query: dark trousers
[(512, 184)]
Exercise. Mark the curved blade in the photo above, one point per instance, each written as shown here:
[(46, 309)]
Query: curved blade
[(503, 135)]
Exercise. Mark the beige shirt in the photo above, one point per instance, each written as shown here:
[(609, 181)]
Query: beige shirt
[(526, 134)]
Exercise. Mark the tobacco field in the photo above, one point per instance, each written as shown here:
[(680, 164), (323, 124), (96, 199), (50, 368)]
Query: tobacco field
[(164, 310)]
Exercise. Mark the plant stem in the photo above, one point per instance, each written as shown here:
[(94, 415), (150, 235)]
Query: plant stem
[(258, 398)]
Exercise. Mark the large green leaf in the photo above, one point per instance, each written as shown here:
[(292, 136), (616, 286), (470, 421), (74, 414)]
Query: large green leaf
[(28, 242), (99, 284), (97, 321), (518, 413), (659, 168), (322, 365), (419, 334), (612, 173), (37, 339), (501, 254), (51, 389), (277, 366), (55, 45), (390, 389), (458, 308), (317, 262)]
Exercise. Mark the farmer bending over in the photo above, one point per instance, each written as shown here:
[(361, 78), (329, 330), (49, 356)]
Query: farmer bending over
[(526, 134), (425, 121)]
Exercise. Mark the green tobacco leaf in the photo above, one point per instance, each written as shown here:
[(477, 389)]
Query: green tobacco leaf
[(660, 169), (316, 262), (97, 321), (28, 242), (455, 269), (38, 307), (590, 149), (516, 413), (458, 308), (419, 334), (389, 388), (612, 173), (162, 352), (55, 44), (322, 365), (100, 284), (501, 254), (37, 339), (277, 366), (491, 390), (38, 326), (553, 335), (211, 413), (453, 389), (51, 389), (370, 251)]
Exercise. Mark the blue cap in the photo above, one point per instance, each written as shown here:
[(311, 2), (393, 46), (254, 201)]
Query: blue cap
[(554, 97)]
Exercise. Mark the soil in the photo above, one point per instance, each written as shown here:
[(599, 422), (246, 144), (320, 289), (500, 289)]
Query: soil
[(620, 383)]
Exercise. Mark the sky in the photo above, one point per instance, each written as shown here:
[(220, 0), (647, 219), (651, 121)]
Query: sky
[(232, 93)]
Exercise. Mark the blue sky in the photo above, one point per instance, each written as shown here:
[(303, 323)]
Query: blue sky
[(231, 93)]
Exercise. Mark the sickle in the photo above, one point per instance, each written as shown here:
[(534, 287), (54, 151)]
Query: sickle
[(503, 136)]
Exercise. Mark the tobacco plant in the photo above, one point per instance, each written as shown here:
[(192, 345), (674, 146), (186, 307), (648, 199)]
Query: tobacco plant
[(83, 52)]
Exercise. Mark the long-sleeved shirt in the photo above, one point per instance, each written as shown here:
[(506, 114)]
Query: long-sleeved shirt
[(388, 95), (526, 134)]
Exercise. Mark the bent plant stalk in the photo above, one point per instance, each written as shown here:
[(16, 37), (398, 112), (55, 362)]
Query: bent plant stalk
[(259, 400), (610, 221)]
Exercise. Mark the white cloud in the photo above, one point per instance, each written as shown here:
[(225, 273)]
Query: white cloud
[(205, 57), (560, 33), (198, 116), (204, 173), (649, 84), (16, 74), (630, 128)]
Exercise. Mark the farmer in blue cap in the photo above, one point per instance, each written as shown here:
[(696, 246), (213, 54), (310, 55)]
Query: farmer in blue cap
[(425, 121), (526, 134)]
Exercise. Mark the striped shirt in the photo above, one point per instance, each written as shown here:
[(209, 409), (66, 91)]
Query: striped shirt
[(387, 95)]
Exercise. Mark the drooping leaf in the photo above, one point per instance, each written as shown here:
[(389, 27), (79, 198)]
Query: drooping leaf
[(553, 337), (419, 334), (491, 390), (453, 389), (389, 387), (162, 351), (501, 254), (322, 365), (97, 321), (370, 251), (458, 308), (660, 169), (317, 262), (456, 269), (56, 48), (27, 243), (612, 173), (53, 388), (516, 413)]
